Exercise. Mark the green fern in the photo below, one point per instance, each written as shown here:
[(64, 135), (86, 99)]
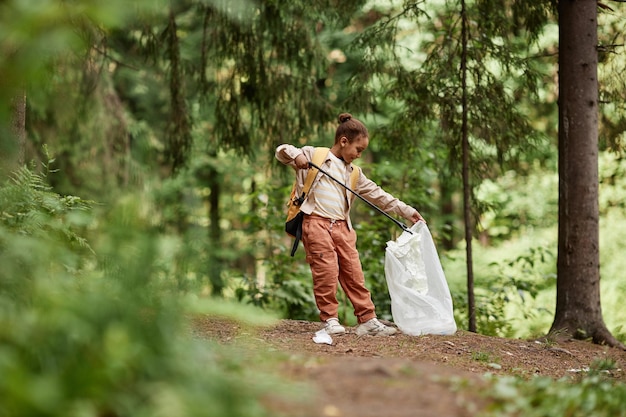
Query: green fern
[(30, 207)]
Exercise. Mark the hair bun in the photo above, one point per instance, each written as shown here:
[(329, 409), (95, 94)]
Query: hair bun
[(344, 117)]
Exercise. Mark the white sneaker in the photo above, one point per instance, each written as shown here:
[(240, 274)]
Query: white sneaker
[(333, 327), (374, 327)]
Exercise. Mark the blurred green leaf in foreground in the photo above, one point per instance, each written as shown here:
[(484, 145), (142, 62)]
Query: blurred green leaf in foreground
[(96, 329)]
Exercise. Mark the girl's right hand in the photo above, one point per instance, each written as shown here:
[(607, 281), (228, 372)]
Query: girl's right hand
[(301, 162)]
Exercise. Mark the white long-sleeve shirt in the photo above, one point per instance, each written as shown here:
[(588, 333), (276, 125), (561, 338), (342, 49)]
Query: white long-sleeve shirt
[(365, 187)]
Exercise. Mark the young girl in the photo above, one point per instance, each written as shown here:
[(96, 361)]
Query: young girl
[(327, 234)]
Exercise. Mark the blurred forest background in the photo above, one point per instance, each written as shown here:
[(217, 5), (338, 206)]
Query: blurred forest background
[(138, 176)]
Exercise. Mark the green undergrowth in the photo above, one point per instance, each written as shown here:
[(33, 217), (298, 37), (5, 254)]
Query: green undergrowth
[(515, 272), (97, 326), (593, 394)]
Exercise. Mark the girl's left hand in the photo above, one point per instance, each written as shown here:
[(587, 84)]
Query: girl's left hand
[(417, 217)]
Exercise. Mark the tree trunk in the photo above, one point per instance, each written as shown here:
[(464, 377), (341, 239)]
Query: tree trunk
[(214, 181), (179, 135), (18, 125), (466, 183), (578, 311), (446, 187)]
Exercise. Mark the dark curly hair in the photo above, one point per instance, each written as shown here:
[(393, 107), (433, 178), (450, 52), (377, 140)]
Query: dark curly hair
[(350, 127)]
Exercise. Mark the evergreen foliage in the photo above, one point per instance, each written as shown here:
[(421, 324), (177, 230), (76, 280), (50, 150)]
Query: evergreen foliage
[(167, 113), (412, 71), (205, 82)]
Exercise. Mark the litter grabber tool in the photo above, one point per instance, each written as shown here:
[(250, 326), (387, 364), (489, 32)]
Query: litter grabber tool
[(399, 223)]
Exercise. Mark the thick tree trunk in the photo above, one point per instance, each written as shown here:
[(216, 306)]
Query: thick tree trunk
[(578, 311)]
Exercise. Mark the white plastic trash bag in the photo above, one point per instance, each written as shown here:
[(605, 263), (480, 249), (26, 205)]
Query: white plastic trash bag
[(420, 298)]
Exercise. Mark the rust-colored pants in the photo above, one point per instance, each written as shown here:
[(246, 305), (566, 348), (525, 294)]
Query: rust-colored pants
[(331, 252)]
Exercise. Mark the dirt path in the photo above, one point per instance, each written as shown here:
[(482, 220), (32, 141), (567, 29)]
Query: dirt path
[(405, 375)]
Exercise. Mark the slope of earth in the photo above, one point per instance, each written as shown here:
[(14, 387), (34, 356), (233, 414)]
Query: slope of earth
[(405, 375)]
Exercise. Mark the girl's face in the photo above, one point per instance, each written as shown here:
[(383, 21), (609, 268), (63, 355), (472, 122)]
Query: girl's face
[(352, 150)]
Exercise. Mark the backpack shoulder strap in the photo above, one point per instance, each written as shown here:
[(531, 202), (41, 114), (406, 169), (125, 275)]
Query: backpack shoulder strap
[(319, 156), (354, 177)]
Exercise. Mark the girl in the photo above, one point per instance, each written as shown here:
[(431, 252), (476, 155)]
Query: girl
[(327, 234)]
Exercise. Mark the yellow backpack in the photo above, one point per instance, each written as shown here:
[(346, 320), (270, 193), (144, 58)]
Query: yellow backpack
[(293, 224)]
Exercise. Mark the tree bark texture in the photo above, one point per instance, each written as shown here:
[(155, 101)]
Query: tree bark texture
[(578, 310), (179, 136), (18, 125)]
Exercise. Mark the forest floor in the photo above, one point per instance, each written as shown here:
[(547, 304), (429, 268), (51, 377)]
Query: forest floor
[(403, 375)]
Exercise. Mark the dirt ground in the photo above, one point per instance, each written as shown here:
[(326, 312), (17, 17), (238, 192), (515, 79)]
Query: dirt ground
[(404, 375)]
